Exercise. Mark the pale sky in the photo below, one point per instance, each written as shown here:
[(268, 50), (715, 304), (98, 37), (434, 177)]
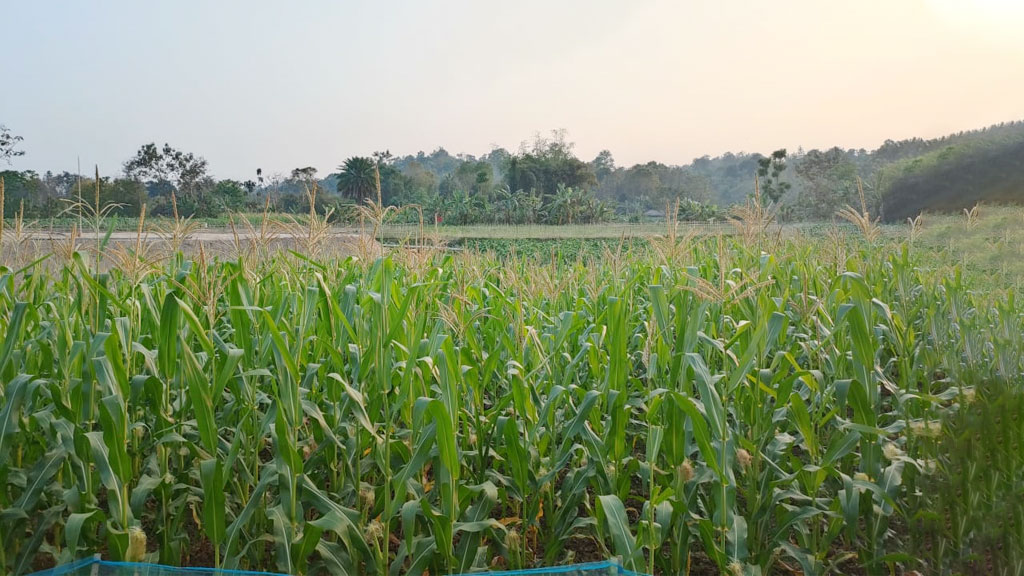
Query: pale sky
[(277, 85)]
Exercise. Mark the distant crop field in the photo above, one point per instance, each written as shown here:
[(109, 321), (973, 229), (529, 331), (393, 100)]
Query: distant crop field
[(989, 239), (543, 231)]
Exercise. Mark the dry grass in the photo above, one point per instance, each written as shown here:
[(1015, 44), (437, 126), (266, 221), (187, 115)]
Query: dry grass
[(138, 259), (313, 235), (972, 216), (753, 218), (377, 214), (21, 239), (916, 226), (868, 227), (672, 248), (207, 286), (257, 239), (727, 289), (65, 247), (179, 230), (837, 248)]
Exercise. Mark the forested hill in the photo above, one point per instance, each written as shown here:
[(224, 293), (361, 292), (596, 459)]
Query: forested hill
[(986, 166), (545, 181)]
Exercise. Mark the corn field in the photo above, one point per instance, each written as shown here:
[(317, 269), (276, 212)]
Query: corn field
[(709, 406)]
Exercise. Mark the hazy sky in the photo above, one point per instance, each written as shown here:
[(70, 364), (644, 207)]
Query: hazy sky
[(278, 85)]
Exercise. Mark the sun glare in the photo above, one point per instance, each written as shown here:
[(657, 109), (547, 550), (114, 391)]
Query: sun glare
[(1003, 15)]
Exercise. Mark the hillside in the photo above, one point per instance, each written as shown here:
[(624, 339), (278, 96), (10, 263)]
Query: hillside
[(987, 167)]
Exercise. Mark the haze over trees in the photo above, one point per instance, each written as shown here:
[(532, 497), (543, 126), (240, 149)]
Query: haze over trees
[(544, 181)]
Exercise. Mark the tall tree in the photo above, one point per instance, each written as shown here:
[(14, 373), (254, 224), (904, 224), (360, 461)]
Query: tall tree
[(603, 165), (422, 183), (188, 169), (127, 194), (61, 184), (769, 170), (9, 145), (643, 181), (358, 178), (20, 187), (830, 181), (546, 164), (304, 174), (475, 177), (230, 194), (153, 165)]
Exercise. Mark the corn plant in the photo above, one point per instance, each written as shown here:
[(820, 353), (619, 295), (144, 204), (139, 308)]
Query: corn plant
[(692, 404)]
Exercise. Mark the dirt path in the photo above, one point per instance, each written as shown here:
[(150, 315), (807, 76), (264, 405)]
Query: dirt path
[(200, 236)]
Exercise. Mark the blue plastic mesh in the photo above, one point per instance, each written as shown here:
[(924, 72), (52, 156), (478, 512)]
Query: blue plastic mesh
[(95, 567)]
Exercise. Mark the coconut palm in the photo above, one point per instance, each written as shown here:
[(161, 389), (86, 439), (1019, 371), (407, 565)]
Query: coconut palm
[(357, 179)]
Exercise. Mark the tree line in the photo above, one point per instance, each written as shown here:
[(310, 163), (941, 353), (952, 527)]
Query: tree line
[(545, 182)]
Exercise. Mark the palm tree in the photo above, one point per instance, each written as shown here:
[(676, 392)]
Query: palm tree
[(357, 179)]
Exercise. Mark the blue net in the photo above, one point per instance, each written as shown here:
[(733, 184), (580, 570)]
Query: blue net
[(96, 567)]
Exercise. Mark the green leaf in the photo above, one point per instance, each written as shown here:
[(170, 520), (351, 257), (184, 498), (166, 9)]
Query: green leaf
[(211, 475), (73, 529), (616, 523), (167, 343), (202, 400), (15, 327), (700, 431), (14, 396), (840, 447)]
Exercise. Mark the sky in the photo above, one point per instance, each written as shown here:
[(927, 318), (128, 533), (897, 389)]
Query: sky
[(276, 85)]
